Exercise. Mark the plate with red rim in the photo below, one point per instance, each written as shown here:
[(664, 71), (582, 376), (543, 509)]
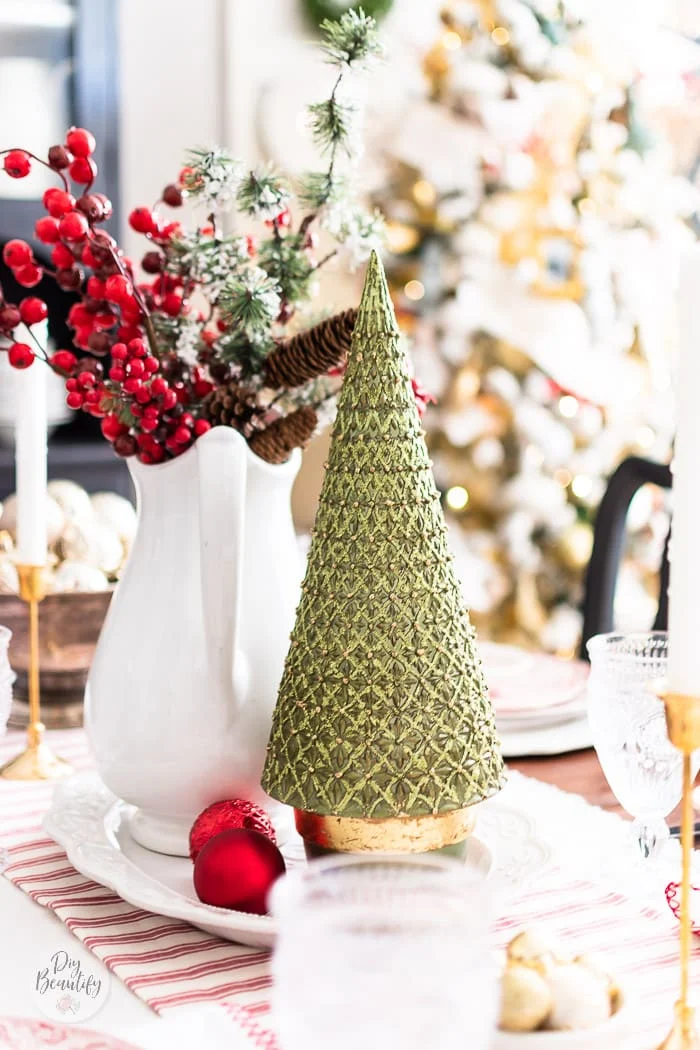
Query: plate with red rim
[(27, 1033), (92, 826)]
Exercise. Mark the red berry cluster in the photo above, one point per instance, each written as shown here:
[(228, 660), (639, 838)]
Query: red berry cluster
[(147, 401), (75, 155)]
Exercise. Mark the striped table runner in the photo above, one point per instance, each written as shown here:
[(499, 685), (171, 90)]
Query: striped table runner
[(168, 963), (165, 962)]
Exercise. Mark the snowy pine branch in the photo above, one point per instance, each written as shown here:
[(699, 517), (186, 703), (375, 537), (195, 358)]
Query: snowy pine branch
[(250, 302), (211, 177), (349, 43), (284, 260), (352, 40), (334, 124), (318, 188), (360, 231), (263, 194)]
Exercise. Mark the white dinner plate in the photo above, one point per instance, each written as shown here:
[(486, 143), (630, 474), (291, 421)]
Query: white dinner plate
[(550, 740), (92, 825), (556, 715)]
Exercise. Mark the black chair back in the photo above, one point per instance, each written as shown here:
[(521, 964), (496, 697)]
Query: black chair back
[(608, 541)]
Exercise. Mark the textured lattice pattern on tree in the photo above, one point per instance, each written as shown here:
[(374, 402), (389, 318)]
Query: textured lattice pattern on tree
[(383, 709)]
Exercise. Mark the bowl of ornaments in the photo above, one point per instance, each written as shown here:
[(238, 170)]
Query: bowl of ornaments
[(555, 999), (89, 538)]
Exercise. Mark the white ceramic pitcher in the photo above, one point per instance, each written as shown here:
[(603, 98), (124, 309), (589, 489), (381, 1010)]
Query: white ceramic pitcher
[(184, 679)]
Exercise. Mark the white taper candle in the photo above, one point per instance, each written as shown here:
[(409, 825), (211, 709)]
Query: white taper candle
[(30, 458), (684, 590)]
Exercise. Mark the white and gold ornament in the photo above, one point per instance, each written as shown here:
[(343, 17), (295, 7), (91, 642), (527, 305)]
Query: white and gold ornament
[(89, 539), (545, 987)]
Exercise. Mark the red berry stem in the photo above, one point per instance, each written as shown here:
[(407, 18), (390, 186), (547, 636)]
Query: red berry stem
[(325, 259), (40, 348), (43, 163), (147, 322), (306, 223)]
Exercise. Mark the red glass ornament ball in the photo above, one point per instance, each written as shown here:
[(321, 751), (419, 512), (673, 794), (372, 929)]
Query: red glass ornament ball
[(227, 815), (237, 870)]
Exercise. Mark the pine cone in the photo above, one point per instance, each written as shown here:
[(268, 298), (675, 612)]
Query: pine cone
[(275, 443), (310, 354), (234, 405)]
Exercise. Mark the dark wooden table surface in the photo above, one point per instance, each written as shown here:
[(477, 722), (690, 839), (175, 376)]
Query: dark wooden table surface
[(578, 771)]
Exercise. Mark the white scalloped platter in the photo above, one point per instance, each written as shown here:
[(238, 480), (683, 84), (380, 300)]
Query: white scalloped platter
[(92, 825)]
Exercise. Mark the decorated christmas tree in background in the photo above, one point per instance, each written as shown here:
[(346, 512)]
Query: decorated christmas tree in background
[(383, 711), (534, 223)]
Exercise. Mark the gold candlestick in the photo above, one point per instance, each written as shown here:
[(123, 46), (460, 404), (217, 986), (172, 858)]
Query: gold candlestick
[(683, 723), (38, 761)]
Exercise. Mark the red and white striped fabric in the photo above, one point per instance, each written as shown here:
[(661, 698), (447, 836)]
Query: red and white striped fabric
[(635, 943), (169, 964)]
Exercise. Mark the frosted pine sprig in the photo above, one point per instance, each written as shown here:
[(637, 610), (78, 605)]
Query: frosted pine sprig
[(212, 177), (263, 194), (334, 123), (352, 40), (319, 188), (358, 230), (209, 262), (285, 261), (250, 302), (350, 43)]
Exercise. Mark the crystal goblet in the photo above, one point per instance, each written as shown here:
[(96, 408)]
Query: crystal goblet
[(389, 951), (628, 724)]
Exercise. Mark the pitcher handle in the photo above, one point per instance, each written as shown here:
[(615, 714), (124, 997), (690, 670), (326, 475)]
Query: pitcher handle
[(222, 486)]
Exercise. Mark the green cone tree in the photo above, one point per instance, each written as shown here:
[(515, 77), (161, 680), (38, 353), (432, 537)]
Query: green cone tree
[(383, 710)]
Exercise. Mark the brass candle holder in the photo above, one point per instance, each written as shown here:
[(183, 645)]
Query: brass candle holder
[(683, 723), (37, 761)]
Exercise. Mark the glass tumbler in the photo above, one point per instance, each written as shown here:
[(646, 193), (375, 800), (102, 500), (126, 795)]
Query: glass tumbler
[(628, 724), (389, 952)]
